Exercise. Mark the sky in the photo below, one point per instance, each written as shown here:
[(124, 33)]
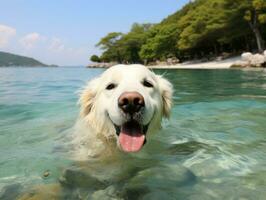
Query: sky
[(64, 32)]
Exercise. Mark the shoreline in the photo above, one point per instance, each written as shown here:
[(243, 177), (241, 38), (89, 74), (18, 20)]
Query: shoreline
[(223, 64), (252, 62)]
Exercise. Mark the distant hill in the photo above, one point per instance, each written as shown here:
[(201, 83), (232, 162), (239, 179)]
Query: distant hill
[(8, 59)]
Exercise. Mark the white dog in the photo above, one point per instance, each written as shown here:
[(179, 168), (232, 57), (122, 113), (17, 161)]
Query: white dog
[(119, 110)]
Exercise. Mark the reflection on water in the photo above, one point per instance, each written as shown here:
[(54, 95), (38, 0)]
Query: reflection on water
[(214, 146)]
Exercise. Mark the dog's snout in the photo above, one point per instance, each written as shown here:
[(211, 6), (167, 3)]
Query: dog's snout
[(131, 102)]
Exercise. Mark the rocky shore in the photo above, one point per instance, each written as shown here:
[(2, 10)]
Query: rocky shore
[(251, 60), (246, 60), (101, 65)]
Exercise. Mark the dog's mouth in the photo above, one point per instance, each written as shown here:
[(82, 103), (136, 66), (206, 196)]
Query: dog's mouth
[(131, 136)]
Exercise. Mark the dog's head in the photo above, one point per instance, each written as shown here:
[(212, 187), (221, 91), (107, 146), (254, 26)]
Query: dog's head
[(126, 102)]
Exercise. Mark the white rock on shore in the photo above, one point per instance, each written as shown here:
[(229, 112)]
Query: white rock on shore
[(246, 56), (251, 60), (101, 65)]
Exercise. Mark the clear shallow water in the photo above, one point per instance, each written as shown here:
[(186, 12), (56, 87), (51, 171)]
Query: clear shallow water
[(214, 146)]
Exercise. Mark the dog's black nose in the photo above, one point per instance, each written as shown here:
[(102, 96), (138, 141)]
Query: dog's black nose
[(131, 102)]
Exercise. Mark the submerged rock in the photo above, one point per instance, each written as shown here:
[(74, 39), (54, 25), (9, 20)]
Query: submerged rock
[(79, 178), (46, 174), (153, 183), (10, 191)]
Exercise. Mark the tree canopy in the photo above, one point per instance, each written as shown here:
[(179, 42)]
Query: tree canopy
[(200, 29)]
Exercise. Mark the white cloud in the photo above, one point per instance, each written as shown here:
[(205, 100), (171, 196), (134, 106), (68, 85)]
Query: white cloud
[(6, 33), (56, 45), (48, 49), (30, 40), (61, 53)]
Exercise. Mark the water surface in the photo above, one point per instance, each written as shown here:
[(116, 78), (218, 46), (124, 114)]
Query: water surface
[(213, 147)]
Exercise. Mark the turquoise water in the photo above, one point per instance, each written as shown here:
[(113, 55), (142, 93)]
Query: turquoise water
[(213, 147)]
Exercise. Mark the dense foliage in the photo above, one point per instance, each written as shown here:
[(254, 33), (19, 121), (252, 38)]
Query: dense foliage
[(201, 29), (95, 58)]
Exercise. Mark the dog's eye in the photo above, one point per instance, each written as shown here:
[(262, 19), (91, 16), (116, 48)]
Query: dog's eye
[(147, 84), (110, 86)]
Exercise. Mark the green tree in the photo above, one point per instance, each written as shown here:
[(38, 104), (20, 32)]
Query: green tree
[(203, 26), (110, 47), (109, 40), (255, 15), (131, 43), (95, 58), (124, 48), (161, 43)]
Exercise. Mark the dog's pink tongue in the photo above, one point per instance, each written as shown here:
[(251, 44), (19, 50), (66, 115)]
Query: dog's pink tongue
[(131, 139)]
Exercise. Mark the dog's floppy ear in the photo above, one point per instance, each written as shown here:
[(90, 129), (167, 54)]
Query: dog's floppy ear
[(87, 97), (166, 90)]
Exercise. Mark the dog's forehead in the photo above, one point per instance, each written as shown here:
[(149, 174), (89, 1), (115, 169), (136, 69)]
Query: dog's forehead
[(128, 71)]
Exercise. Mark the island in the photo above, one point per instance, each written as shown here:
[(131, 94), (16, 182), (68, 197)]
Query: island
[(202, 34), (9, 59)]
